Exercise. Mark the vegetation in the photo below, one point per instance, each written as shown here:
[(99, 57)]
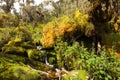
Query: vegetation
[(73, 40)]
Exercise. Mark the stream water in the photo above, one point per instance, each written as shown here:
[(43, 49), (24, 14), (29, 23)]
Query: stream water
[(40, 48)]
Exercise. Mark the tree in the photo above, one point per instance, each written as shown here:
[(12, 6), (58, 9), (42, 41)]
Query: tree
[(31, 13), (7, 6), (102, 13)]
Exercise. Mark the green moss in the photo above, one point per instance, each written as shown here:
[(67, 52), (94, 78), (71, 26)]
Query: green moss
[(40, 66), (21, 32), (34, 54), (13, 71), (16, 58), (27, 45), (14, 50), (5, 35)]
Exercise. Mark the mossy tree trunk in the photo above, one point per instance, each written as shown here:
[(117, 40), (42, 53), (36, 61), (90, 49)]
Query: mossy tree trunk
[(101, 13)]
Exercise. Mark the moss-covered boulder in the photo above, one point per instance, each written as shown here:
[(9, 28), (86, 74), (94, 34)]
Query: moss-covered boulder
[(21, 32), (68, 28), (34, 54), (14, 50), (5, 36), (9, 70)]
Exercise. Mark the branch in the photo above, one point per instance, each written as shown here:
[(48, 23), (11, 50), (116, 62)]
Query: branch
[(39, 71)]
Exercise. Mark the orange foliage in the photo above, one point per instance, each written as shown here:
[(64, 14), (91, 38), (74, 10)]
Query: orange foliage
[(48, 37), (117, 54), (50, 34), (66, 27)]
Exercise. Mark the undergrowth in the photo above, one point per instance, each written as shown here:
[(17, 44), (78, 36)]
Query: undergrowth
[(76, 57)]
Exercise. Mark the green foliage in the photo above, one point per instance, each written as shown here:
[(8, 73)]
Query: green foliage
[(103, 66), (59, 50), (76, 75), (18, 40), (36, 32)]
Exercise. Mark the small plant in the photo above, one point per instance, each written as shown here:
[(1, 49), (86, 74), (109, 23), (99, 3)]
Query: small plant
[(60, 48)]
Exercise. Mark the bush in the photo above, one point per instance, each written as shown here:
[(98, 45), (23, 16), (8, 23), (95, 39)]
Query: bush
[(67, 27), (99, 67), (8, 20)]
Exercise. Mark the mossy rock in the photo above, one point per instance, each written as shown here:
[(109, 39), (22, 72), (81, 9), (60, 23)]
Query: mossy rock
[(15, 42), (34, 54), (17, 72), (14, 50), (21, 32), (19, 42), (27, 45), (16, 58), (40, 66), (12, 70)]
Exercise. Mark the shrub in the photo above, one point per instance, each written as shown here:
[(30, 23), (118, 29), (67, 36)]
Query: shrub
[(66, 27), (99, 67)]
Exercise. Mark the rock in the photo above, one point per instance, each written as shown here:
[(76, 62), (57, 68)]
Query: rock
[(14, 71), (14, 50), (34, 54)]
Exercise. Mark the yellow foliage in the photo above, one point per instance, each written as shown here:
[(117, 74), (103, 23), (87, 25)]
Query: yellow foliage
[(66, 26), (116, 27), (5, 16), (81, 19), (117, 54), (15, 41), (117, 24), (78, 14), (18, 40), (48, 37), (11, 43)]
